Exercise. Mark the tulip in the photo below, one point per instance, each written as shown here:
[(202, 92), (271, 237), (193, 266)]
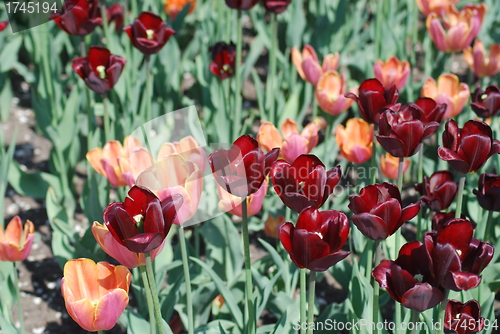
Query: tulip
[(448, 90), (430, 111), (330, 93), (272, 225), (3, 25), (233, 204), (460, 318), (305, 182), (440, 219), (438, 191), (115, 14), (467, 149), (307, 64), (149, 33), (142, 221), (224, 60), (190, 150), (316, 240), (10, 240), (174, 175), (293, 143), (434, 6), (373, 96), (100, 69), (95, 294), (409, 279), (241, 4), (174, 7), (389, 166), (486, 104), (392, 71), (120, 164), (241, 170), (481, 64), (488, 195), (120, 253), (78, 17), (378, 210), (355, 140), (275, 6), (453, 31)]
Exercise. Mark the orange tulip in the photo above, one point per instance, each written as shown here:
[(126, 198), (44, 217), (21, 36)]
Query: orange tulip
[(95, 294), (271, 226), (120, 164), (453, 31), (307, 64), (448, 90), (174, 7), (389, 166), (232, 204), (10, 240), (392, 71), (434, 6), (355, 140), (481, 64), (330, 93), (190, 150)]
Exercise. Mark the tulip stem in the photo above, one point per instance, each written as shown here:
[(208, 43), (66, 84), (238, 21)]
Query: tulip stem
[(187, 278), (154, 293), (15, 282), (272, 69), (420, 177), (237, 92), (302, 279), (374, 160), (105, 26), (248, 269), (400, 174), (414, 319), (490, 229), (148, 88), (460, 197), (100, 332), (310, 307), (376, 289), (106, 118), (442, 306), (149, 299)]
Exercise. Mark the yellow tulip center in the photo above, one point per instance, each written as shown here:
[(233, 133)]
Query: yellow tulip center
[(227, 68), (301, 185), (139, 222), (101, 69), (458, 316), (459, 252), (150, 33), (484, 96), (419, 277)]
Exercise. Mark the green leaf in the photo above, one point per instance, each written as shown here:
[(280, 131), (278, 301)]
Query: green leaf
[(6, 96), (31, 184), (9, 53)]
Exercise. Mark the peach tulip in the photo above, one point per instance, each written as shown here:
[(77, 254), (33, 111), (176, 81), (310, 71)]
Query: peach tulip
[(392, 71), (95, 294), (120, 164), (434, 6), (355, 140), (448, 90), (454, 30), (120, 253), (190, 150), (307, 64), (330, 93), (293, 143), (11, 239), (389, 166), (271, 225), (232, 204), (481, 64), (174, 7)]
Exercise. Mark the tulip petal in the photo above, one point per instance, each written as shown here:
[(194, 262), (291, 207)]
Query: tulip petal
[(109, 309), (421, 297), (370, 226)]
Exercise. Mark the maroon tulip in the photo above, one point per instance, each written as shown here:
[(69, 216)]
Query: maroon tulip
[(488, 194), (458, 257), (305, 182), (373, 96), (142, 221), (378, 211), (3, 25), (401, 133), (275, 6), (467, 149), (431, 111), (149, 33), (460, 318), (486, 104), (315, 242), (241, 170), (241, 4), (438, 191), (115, 14), (441, 219), (100, 69), (409, 279), (224, 60), (78, 17)]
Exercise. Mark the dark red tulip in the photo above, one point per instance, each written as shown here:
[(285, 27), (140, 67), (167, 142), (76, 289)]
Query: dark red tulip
[(3, 25), (224, 60), (142, 221), (378, 211), (486, 104), (460, 318), (438, 191), (78, 17), (315, 242), (100, 69), (241, 170), (373, 96), (115, 14), (149, 33), (401, 133), (241, 4), (467, 149), (431, 111), (275, 6), (305, 182), (441, 219), (488, 194), (458, 257), (409, 280)]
